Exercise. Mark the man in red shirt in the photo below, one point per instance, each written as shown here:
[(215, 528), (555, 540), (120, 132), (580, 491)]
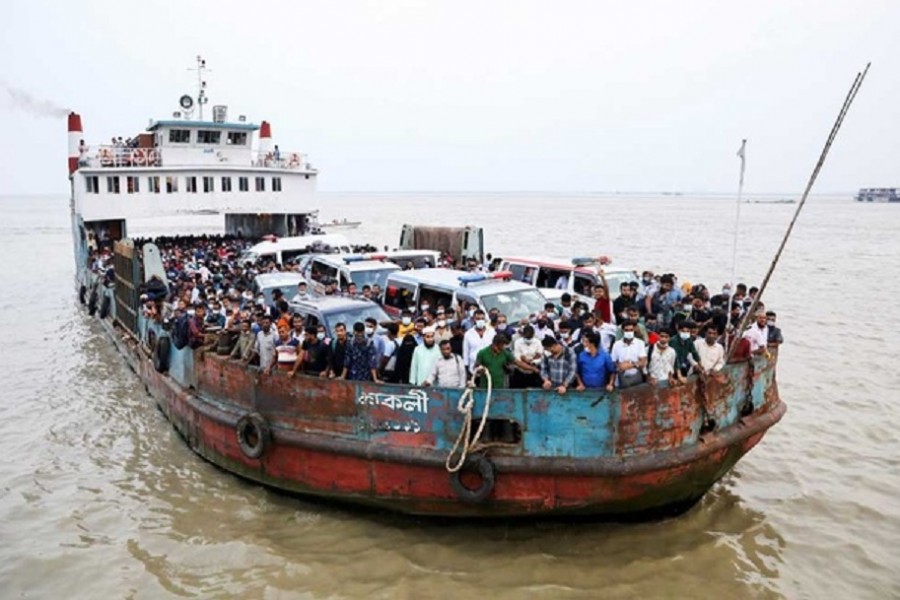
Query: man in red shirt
[(602, 304)]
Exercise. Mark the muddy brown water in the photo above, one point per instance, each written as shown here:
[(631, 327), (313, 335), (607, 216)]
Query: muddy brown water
[(101, 498)]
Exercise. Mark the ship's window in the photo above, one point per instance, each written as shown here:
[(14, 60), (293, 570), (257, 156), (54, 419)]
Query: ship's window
[(208, 137), (260, 184), (207, 184), (179, 136), (133, 184), (226, 184), (93, 184), (190, 185), (243, 184), (171, 185), (237, 138), (112, 185), (153, 184), (276, 184)]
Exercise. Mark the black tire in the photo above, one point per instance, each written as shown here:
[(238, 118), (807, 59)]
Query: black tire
[(82, 294), (92, 303), (252, 435), (104, 307), (161, 354), (485, 468)]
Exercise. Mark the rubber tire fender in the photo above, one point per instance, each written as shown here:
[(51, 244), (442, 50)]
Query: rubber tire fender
[(104, 307), (161, 353), (486, 469), (252, 425)]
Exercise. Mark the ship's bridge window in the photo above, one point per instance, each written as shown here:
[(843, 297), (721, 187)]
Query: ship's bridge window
[(93, 184), (226, 184), (243, 184), (133, 184), (112, 185), (179, 136), (190, 184), (171, 185), (207, 185), (208, 137), (237, 138), (153, 184)]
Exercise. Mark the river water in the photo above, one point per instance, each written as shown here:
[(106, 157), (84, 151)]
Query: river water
[(101, 499)]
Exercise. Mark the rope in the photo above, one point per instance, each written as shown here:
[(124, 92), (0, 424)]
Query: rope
[(848, 100), (464, 405)]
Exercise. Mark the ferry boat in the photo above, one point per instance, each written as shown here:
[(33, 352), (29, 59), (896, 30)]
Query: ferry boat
[(639, 452), (878, 195)]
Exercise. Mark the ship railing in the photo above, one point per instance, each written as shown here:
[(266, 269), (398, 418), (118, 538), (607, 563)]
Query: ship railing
[(282, 160), (120, 156)]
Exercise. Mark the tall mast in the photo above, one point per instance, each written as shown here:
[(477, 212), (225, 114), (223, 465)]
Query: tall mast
[(201, 84)]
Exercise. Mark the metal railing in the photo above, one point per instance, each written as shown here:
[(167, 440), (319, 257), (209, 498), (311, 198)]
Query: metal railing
[(119, 156), (282, 160)]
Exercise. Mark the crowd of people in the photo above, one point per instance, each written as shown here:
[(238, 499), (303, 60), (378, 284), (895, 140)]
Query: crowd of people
[(655, 330)]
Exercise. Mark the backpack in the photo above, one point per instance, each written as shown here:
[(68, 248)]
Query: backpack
[(181, 333)]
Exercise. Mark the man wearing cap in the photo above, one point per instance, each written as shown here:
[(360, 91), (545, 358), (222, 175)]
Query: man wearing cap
[(558, 367), (423, 358)]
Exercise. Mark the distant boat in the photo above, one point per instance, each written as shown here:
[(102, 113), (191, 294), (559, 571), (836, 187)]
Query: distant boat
[(878, 195), (344, 224), (778, 201)]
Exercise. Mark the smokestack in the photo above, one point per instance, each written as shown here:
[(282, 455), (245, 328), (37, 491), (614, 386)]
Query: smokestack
[(75, 137), (265, 138)]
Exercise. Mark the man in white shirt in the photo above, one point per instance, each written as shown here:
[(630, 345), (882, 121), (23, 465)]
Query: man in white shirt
[(662, 362), (302, 294), (758, 334), (712, 354), (630, 356), (478, 337), (528, 349)]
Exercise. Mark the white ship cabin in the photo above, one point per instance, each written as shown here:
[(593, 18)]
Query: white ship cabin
[(184, 176)]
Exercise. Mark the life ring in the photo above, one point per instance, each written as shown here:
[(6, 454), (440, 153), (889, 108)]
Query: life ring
[(138, 157), (104, 307), (106, 157), (252, 435), (161, 354), (295, 160), (485, 468), (92, 303), (82, 294), (152, 158)]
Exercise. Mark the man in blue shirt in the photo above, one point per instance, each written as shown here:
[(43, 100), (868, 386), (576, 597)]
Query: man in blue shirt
[(596, 368)]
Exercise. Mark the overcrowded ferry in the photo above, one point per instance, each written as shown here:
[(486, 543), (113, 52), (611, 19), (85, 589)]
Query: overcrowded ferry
[(430, 381)]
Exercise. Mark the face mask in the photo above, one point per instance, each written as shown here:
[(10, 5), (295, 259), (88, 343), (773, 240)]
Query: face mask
[(471, 312), (725, 291), (261, 300), (190, 312), (684, 334), (688, 307), (320, 335), (480, 323), (628, 335), (547, 353), (370, 330), (646, 280), (770, 323), (406, 320), (442, 324), (425, 307)]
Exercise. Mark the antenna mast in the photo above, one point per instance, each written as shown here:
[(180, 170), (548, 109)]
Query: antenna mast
[(201, 84)]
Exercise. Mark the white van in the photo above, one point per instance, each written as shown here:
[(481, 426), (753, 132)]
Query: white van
[(577, 276), (342, 270), (286, 249)]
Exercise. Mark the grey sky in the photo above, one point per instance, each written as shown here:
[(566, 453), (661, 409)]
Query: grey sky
[(429, 95)]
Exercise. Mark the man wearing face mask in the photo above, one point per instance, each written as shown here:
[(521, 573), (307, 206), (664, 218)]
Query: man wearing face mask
[(313, 360), (686, 356), (630, 356), (478, 337), (661, 365), (647, 288), (558, 367), (775, 337), (528, 350), (406, 324), (543, 327), (712, 354)]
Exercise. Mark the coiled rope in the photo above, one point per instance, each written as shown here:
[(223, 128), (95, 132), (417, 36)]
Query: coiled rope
[(465, 440)]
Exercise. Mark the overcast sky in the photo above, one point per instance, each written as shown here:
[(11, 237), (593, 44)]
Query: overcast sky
[(465, 96)]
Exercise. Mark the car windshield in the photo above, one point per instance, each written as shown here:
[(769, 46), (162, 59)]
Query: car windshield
[(355, 314), (516, 305), (371, 277)]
